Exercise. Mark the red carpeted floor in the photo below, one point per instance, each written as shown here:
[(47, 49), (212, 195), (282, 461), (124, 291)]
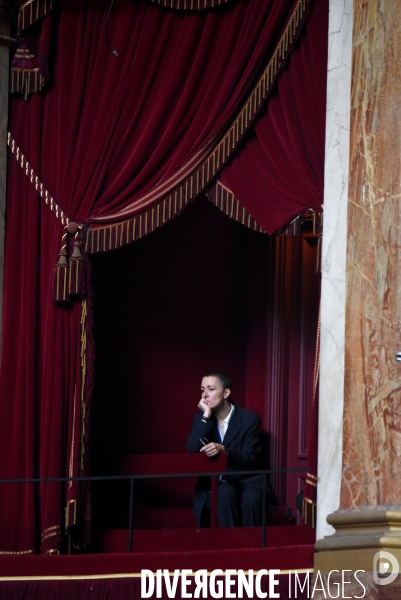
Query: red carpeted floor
[(286, 548)]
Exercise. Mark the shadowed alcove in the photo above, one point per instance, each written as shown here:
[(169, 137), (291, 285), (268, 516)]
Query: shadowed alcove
[(202, 292)]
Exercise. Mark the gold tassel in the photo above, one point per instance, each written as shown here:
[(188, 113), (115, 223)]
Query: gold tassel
[(69, 275), (77, 270), (61, 271), (26, 81)]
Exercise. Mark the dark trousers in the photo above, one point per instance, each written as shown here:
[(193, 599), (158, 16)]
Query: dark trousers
[(237, 505)]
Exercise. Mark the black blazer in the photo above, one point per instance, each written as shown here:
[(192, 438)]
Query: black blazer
[(242, 443)]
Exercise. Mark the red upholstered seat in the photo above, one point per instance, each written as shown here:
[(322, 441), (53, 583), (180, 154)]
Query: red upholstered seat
[(167, 502), (168, 464)]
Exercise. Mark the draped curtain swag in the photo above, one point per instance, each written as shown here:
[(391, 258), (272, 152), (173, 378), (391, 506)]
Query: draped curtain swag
[(289, 137), (193, 165), (120, 145)]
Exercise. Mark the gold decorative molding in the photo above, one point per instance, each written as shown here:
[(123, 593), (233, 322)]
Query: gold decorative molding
[(358, 537)]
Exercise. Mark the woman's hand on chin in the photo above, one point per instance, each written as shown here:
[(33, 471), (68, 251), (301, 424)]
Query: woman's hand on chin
[(205, 408)]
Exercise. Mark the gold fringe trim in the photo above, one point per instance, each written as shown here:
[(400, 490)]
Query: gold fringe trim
[(60, 283), (22, 552), (189, 4), (316, 368), (71, 509), (113, 236), (110, 237), (26, 81), (34, 179), (83, 380), (32, 11), (225, 200), (71, 465)]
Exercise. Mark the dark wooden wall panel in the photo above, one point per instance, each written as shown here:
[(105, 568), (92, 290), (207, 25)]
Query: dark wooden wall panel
[(292, 325)]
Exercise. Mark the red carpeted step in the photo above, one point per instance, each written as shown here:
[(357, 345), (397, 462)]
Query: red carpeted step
[(193, 540), (284, 558)]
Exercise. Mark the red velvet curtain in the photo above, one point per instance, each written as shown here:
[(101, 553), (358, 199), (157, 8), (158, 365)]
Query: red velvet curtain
[(281, 163), (111, 134), (136, 121)]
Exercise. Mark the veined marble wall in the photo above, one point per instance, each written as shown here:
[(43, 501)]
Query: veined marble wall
[(334, 262), (370, 476), (372, 401)]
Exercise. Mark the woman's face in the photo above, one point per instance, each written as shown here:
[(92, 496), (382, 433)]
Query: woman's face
[(213, 393)]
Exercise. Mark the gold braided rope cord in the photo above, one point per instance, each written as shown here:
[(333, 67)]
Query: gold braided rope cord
[(34, 179)]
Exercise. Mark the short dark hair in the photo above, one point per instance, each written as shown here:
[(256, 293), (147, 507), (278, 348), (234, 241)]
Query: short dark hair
[(225, 380)]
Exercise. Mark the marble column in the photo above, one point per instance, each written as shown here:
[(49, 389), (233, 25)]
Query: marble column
[(369, 515), (4, 86), (331, 397)]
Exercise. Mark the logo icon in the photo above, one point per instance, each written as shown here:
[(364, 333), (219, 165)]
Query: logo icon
[(385, 567)]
